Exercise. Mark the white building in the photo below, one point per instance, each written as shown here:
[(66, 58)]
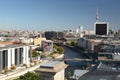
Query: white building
[(16, 54)]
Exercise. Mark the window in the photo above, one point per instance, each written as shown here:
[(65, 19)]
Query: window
[(21, 55), (5, 58), (16, 54)]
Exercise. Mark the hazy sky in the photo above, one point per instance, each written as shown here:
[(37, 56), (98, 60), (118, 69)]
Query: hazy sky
[(57, 14)]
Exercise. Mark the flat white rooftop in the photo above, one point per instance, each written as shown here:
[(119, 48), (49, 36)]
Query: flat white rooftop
[(11, 46), (50, 64)]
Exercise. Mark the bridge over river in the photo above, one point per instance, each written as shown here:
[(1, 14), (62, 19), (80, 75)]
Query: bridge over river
[(72, 59)]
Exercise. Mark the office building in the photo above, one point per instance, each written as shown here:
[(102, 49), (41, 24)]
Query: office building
[(15, 54), (101, 28)]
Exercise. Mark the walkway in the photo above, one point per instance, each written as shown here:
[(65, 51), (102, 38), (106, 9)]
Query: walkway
[(18, 72)]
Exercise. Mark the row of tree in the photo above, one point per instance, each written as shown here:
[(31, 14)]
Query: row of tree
[(29, 76), (59, 49)]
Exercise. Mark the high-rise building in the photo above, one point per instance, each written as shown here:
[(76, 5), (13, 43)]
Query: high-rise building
[(101, 28)]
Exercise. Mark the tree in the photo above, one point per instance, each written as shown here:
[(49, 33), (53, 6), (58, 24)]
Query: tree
[(55, 46), (28, 76), (35, 53), (69, 74), (111, 31), (73, 43), (6, 70), (60, 50), (65, 78)]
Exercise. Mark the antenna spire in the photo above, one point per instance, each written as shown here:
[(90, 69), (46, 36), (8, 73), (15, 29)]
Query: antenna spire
[(97, 15)]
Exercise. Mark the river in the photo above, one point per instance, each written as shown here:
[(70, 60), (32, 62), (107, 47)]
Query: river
[(72, 65)]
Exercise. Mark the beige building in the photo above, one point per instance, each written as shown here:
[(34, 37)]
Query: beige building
[(38, 41), (52, 70), (88, 32), (27, 40)]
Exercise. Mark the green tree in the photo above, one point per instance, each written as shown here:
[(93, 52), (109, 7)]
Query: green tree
[(111, 31), (43, 56), (35, 53), (69, 74), (73, 43), (28, 76), (60, 50), (55, 46), (65, 78)]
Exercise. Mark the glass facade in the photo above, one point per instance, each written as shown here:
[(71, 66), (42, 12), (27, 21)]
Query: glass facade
[(21, 55), (16, 54)]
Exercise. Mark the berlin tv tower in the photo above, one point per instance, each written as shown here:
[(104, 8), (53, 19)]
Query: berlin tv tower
[(97, 15)]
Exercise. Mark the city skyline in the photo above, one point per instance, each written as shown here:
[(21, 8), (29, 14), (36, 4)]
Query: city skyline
[(43, 15)]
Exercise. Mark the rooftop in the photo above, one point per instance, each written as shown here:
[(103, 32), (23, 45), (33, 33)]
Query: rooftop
[(52, 66), (78, 73), (101, 75), (9, 42), (10, 46)]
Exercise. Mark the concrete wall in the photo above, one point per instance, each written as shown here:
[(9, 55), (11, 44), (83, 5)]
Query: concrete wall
[(90, 47), (51, 76), (69, 40), (13, 58), (116, 57), (9, 58), (25, 55), (59, 75), (82, 43), (27, 41)]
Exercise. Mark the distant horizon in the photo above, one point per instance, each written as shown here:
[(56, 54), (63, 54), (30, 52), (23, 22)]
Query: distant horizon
[(57, 15)]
